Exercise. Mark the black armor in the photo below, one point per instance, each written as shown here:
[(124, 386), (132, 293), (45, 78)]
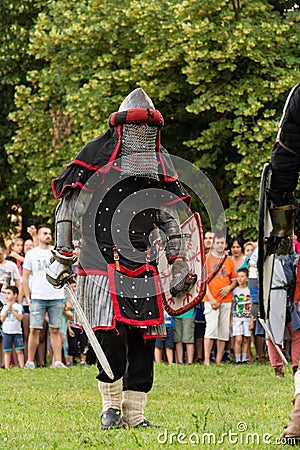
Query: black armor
[(285, 162), (120, 188)]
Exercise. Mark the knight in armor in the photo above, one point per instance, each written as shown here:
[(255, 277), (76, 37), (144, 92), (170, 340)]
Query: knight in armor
[(122, 188), (285, 164), (283, 208)]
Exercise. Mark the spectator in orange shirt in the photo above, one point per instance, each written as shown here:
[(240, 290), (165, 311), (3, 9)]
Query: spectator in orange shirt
[(218, 298)]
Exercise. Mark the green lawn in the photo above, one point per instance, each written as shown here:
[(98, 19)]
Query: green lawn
[(58, 409)]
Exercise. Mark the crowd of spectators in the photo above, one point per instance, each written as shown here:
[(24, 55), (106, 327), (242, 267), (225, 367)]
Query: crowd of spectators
[(52, 339), (223, 328)]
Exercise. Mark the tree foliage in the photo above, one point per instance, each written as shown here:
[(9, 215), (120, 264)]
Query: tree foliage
[(242, 58), (15, 61), (219, 72)]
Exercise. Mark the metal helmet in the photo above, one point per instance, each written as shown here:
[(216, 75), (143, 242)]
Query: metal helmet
[(137, 99)]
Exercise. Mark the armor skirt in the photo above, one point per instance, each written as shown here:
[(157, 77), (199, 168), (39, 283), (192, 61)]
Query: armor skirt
[(93, 293)]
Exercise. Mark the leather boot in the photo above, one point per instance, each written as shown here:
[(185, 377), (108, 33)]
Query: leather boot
[(111, 404)]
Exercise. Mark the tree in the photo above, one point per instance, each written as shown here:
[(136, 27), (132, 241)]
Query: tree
[(92, 53), (16, 21), (242, 58), (218, 71)]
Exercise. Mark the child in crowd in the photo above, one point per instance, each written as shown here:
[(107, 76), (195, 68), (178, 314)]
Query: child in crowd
[(11, 317), (76, 337), (166, 343), (78, 345), (241, 317), (15, 253), (184, 331), (258, 331)]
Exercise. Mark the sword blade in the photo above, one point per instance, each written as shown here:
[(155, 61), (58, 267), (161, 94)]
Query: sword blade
[(89, 332)]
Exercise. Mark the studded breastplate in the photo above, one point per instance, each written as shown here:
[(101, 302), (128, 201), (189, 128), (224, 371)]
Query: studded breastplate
[(123, 214)]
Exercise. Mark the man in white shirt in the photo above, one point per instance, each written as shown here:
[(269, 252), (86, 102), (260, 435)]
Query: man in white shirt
[(44, 298)]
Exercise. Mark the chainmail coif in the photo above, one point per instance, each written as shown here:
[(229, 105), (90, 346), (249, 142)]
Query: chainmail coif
[(138, 154)]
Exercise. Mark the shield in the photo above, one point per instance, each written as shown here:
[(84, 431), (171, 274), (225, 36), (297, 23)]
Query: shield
[(265, 262), (192, 238)]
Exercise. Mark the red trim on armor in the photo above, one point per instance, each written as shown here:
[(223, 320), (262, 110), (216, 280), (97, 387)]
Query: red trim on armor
[(173, 258), (72, 186), (179, 199), (166, 178), (161, 161), (107, 167), (78, 162), (112, 327), (117, 168), (104, 169), (85, 272), (134, 273), (66, 253), (151, 117), (153, 336), (116, 150)]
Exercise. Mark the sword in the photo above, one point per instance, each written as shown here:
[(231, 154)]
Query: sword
[(89, 332)]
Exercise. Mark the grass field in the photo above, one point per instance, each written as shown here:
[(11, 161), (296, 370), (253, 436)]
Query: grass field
[(215, 407)]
